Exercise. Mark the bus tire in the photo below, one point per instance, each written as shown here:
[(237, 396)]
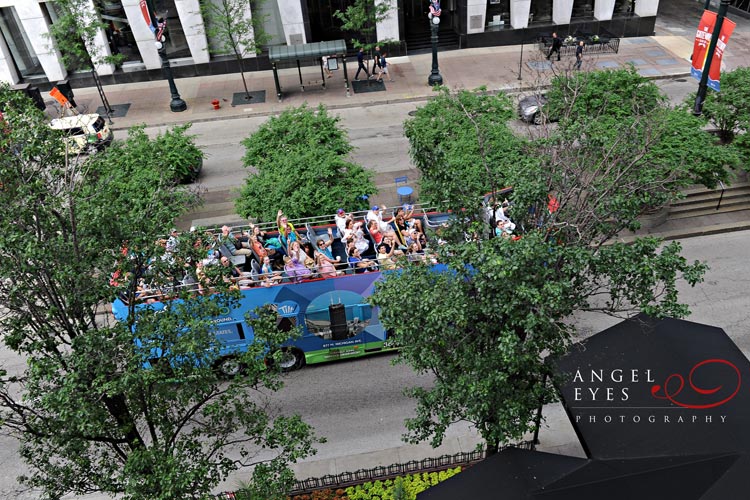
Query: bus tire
[(229, 367), (291, 359)]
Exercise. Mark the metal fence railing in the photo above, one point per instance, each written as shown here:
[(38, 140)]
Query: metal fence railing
[(601, 43), (382, 472)]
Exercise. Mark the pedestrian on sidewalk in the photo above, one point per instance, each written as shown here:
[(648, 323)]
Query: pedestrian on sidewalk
[(556, 45), (376, 64), (579, 54), (384, 68), (361, 64)]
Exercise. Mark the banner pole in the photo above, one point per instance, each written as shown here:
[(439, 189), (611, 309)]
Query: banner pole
[(703, 85)]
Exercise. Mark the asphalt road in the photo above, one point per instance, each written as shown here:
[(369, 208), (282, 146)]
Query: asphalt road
[(376, 132), (359, 406)]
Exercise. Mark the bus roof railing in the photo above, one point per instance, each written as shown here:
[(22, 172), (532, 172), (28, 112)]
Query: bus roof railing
[(317, 220)]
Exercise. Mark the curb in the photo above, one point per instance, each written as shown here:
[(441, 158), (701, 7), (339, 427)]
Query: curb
[(678, 234)]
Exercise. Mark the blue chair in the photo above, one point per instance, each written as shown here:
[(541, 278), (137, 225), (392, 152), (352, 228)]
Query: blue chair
[(403, 191)]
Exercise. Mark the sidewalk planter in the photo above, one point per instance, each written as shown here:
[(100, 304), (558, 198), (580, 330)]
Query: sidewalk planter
[(408, 487), (654, 217)]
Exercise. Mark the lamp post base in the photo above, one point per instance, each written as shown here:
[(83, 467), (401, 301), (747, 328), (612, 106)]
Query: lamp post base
[(435, 78), (177, 104)]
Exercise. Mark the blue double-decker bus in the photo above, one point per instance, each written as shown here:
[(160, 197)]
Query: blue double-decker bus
[(335, 320), (332, 313)]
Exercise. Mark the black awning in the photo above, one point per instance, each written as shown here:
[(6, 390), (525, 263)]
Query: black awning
[(660, 388), (515, 474)]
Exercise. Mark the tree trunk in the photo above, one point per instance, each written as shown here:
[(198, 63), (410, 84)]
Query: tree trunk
[(492, 449)]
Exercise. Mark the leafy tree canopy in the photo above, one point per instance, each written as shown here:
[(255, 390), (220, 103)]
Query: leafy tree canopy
[(362, 17), (463, 146), (89, 415), (301, 159), (485, 327), (729, 109), (237, 27), (610, 95)]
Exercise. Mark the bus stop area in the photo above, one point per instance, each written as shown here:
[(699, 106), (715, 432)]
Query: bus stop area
[(308, 54)]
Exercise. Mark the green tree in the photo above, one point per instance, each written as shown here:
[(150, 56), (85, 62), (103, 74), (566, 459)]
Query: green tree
[(609, 95), (485, 327), (230, 23), (461, 144), (301, 160), (362, 18), (729, 110), (88, 413), (74, 32)]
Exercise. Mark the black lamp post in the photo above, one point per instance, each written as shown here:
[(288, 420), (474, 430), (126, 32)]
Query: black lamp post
[(435, 78), (176, 104), (703, 85)]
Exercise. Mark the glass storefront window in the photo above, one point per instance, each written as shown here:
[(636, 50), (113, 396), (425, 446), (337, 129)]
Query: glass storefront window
[(582, 9), (21, 51), (498, 14), (541, 12), (119, 34), (622, 7), (176, 43)]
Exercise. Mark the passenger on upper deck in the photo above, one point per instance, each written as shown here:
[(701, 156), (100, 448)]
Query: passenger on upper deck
[(227, 239), (282, 221), (376, 213), (295, 269), (359, 264), (408, 213), (384, 258), (325, 266), (374, 229), (340, 218)]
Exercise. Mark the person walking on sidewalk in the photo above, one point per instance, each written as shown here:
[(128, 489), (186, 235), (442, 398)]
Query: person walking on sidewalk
[(579, 54), (556, 45), (376, 64), (384, 68), (361, 64)]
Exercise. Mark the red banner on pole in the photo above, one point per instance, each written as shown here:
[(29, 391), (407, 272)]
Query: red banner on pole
[(702, 40), (714, 73), (146, 11)]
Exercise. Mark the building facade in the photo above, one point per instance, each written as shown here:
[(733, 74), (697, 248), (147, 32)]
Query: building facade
[(28, 54)]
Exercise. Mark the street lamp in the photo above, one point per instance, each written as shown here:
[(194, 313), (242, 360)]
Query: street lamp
[(176, 104), (435, 78)]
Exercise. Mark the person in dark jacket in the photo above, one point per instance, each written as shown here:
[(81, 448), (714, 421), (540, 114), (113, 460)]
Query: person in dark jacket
[(579, 54), (361, 64), (556, 45)]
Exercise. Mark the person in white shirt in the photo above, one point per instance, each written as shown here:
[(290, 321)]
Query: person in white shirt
[(376, 214), (340, 218)]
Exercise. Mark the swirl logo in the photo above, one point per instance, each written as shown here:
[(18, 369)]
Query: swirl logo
[(671, 395)]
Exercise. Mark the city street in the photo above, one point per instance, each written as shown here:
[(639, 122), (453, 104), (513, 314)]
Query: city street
[(359, 405), (376, 132)]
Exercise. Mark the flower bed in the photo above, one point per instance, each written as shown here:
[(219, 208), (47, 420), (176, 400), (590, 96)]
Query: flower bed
[(400, 488)]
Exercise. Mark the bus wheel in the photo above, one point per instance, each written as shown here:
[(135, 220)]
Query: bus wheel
[(291, 359), (229, 367)]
